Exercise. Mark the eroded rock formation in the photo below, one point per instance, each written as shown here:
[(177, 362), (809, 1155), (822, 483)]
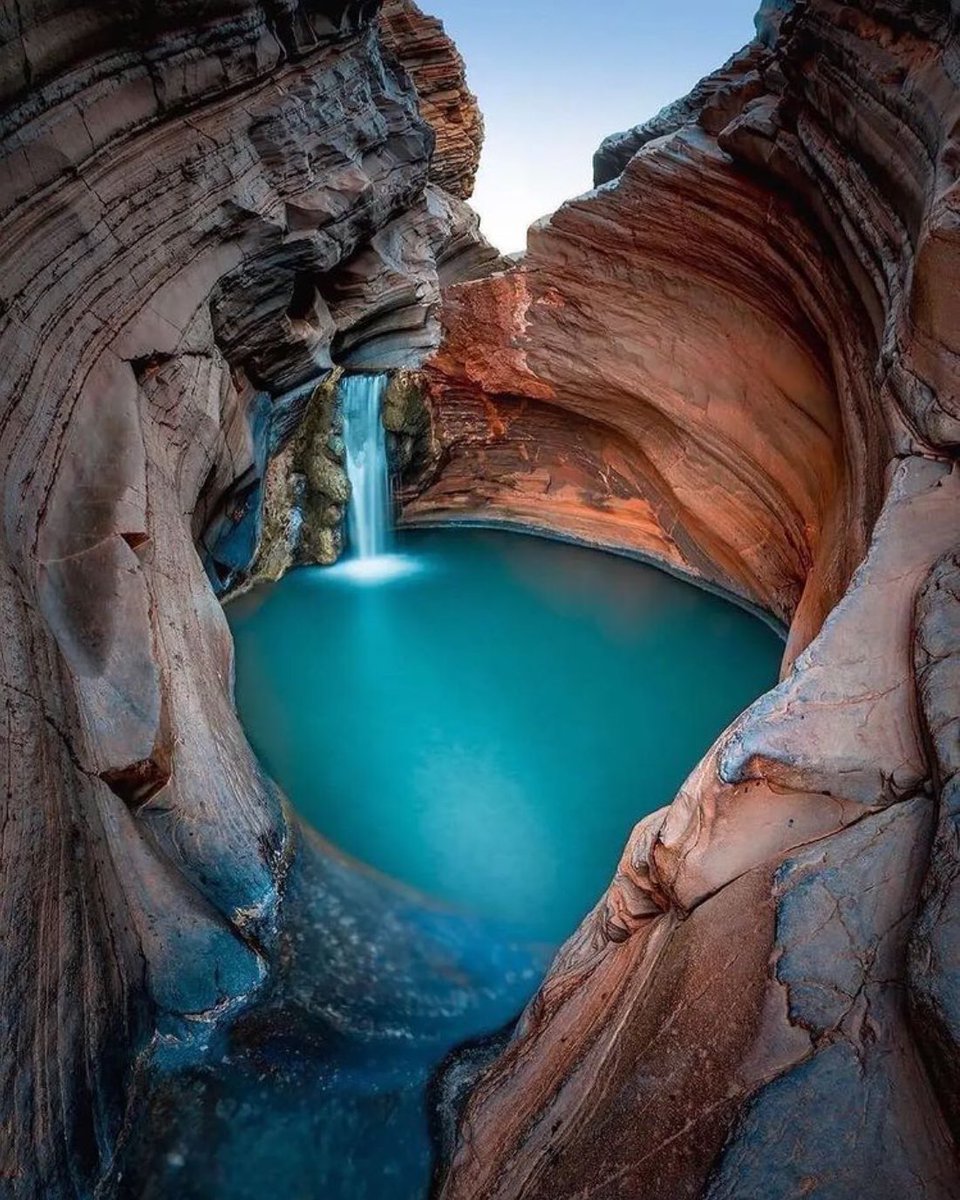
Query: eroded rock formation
[(201, 207), (738, 356), (446, 102)]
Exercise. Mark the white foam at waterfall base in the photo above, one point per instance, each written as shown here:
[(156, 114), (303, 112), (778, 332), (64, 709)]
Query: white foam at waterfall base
[(370, 511), (381, 568)]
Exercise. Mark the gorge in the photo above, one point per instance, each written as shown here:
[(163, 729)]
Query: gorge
[(736, 359)]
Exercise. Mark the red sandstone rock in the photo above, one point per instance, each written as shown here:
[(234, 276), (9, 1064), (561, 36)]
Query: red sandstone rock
[(439, 75), (676, 360), (737, 356)]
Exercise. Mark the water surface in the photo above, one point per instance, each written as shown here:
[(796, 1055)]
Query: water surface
[(488, 725), (481, 715)]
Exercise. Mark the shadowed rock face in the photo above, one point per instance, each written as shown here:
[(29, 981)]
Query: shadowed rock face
[(739, 356), (198, 207)]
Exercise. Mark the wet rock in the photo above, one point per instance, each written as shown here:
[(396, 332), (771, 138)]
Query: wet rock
[(407, 421), (306, 488)]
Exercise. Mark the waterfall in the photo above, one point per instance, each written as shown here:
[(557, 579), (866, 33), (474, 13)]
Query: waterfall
[(370, 512), (370, 558)]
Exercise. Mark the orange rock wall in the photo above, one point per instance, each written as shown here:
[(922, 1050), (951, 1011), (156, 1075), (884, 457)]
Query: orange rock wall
[(737, 356), (446, 102)]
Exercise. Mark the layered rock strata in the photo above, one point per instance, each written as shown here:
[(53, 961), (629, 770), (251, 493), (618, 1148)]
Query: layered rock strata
[(198, 210), (738, 356), (446, 102)]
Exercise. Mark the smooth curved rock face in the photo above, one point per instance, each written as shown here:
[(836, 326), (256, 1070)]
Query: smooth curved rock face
[(934, 961), (196, 203), (738, 355)]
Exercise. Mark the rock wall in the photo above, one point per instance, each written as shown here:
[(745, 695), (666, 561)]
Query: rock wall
[(376, 309), (201, 208), (446, 101), (738, 356)]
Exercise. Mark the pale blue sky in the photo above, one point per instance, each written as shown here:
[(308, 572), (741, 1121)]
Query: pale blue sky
[(554, 77)]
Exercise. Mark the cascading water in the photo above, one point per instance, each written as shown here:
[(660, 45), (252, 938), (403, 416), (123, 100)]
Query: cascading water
[(369, 516), (370, 512)]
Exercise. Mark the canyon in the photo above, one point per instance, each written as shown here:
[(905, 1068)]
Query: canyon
[(738, 357)]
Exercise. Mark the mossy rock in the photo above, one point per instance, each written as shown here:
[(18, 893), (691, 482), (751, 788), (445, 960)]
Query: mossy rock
[(306, 486), (406, 417), (404, 409), (320, 545), (327, 478)]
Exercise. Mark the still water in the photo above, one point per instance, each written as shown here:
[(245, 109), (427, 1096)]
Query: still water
[(480, 715), (487, 723)]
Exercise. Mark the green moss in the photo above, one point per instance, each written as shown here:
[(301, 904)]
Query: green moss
[(327, 478), (406, 416), (404, 410), (321, 546), (308, 479)]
